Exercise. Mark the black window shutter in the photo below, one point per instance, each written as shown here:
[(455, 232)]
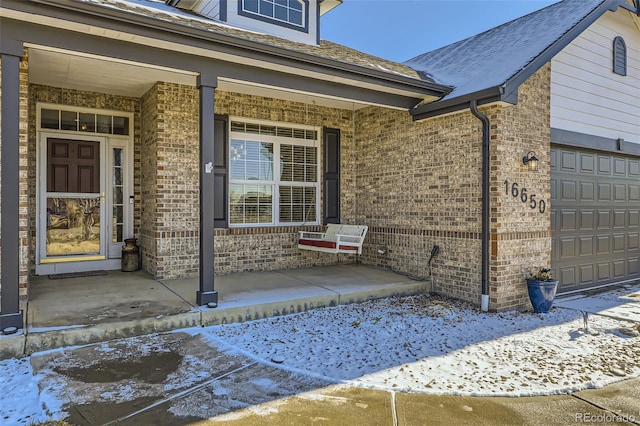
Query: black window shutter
[(331, 156), (220, 171)]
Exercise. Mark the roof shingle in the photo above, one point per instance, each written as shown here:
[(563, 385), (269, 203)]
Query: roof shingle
[(491, 58)]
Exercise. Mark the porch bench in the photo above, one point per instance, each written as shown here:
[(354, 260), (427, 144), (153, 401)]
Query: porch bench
[(336, 239)]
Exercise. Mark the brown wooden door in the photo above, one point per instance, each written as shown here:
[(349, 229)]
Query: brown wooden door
[(73, 166)]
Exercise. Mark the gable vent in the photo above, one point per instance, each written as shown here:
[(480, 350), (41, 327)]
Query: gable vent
[(182, 4), (619, 56)]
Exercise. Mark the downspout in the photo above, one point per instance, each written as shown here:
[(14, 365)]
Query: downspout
[(484, 301)]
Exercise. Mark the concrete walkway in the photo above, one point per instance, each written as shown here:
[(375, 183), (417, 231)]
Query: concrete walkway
[(78, 311), (180, 379)]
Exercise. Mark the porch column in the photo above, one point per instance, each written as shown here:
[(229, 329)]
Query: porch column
[(11, 52), (206, 84)]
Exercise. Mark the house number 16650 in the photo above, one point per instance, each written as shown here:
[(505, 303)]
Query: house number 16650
[(513, 189)]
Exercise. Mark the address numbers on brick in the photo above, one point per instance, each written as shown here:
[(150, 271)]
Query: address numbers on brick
[(514, 189)]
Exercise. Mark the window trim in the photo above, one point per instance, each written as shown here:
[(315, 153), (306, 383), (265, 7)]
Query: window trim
[(285, 24), (276, 183), (619, 56)]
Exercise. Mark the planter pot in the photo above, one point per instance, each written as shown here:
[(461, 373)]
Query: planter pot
[(541, 294)]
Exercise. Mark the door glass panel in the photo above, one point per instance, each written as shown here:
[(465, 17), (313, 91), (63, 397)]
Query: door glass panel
[(118, 194), (73, 225)]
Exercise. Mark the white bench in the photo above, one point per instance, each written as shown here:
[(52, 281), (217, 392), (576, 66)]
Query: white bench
[(336, 239)]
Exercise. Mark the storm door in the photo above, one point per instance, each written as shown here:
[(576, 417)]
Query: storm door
[(73, 204)]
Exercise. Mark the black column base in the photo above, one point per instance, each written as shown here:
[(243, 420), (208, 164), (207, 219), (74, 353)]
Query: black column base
[(205, 298), (11, 320)]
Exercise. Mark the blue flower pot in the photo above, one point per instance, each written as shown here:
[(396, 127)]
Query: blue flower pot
[(541, 294)]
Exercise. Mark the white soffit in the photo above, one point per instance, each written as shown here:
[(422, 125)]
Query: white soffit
[(72, 70)]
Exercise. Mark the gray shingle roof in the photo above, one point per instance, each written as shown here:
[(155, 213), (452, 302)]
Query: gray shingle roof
[(157, 9), (490, 59)]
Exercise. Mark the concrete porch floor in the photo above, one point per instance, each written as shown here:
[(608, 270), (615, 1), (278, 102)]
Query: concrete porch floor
[(83, 310)]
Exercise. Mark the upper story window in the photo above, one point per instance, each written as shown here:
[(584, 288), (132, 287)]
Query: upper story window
[(619, 56), (288, 13)]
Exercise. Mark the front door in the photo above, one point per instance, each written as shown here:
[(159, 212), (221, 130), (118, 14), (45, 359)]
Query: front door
[(84, 209)]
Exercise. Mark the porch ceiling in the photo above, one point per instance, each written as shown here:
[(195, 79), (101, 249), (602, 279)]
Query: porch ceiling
[(74, 70)]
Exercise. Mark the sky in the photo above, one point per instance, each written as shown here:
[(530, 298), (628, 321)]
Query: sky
[(399, 30)]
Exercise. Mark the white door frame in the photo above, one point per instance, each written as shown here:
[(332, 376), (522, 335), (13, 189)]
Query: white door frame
[(110, 252)]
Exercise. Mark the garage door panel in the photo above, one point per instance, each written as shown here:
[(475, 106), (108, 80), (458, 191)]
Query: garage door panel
[(619, 193), (619, 167), (567, 247), (586, 274), (595, 217), (619, 268), (586, 244), (587, 163), (587, 217), (603, 244), (604, 219), (604, 192), (587, 190), (604, 271), (568, 220), (568, 276), (568, 190), (619, 217), (568, 161), (619, 241), (604, 165)]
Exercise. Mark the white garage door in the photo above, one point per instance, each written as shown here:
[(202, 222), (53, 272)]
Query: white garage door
[(595, 218)]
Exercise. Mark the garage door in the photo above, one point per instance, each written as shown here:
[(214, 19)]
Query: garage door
[(595, 218)]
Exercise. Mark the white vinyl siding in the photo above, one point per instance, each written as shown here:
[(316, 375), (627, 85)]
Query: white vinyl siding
[(586, 95)]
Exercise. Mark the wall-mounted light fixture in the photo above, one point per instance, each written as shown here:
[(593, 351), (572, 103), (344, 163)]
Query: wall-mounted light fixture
[(531, 161)]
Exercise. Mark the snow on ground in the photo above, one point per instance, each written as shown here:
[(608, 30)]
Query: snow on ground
[(20, 400), (428, 345), (416, 344)]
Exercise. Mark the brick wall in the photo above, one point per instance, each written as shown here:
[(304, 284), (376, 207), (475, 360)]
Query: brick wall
[(419, 184), (521, 235), (148, 181)]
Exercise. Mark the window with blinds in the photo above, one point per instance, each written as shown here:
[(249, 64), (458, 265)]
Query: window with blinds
[(274, 175)]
